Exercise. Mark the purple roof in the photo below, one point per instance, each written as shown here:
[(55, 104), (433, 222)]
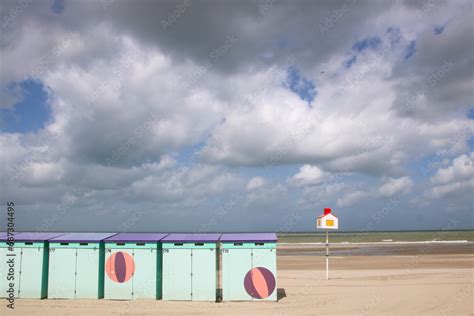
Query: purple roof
[(191, 238), (4, 235), (243, 237), (36, 236), (82, 237), (136, 237)]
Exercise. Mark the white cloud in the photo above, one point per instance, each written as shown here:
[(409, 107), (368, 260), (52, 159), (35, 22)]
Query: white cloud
[(186, 185), (456, 178), (255, 183), (353, 194), (309, 175), (115, 92), (43, 173), (321, 194), (261, 192), (361, 134), (462, 168), (396, 186), (352, 198), (131, 102)]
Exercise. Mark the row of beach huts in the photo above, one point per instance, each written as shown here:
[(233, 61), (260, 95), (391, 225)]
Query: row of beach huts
[(126, 266)]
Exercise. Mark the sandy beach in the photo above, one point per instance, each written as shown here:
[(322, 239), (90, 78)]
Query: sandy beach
[(366, 279)]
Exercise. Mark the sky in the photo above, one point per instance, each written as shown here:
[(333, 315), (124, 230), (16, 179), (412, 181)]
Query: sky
[(219, 116)]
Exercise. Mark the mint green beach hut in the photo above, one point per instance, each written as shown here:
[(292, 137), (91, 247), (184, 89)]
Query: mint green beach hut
[(4, 266), (249, 270), (190, 267), (29, 263), (133, 266), (76, 267)]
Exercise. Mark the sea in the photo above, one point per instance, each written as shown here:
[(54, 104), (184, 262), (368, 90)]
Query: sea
[(379, 236)]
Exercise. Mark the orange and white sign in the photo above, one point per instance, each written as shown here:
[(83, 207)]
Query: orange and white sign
[(327, 220)]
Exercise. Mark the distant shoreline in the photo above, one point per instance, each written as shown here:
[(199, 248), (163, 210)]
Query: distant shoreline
[(382, 242), (377, 231), (383, 237)]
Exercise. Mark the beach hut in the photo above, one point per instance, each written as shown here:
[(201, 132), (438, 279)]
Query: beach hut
[(5, 267), (76, 265), (327, 220), (29, 263), (190, 267), (249, 270), (133, 266)]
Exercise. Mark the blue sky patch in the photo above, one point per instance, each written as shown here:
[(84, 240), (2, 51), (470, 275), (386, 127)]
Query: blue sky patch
[(282, 43), (394, 35), (439, 29), (410, 50), (31, 113), (470, 114), (58, 6), (370, 42), (303, 87), (348, 63)]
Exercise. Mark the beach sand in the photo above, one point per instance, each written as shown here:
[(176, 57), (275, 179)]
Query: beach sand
[(412, 279)]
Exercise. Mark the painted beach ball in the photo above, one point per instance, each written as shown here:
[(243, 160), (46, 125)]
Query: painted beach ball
[(259, 282), (120, 267)]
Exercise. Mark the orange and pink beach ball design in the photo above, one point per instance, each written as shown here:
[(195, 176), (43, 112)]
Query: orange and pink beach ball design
[(120, 267), (259, 282)]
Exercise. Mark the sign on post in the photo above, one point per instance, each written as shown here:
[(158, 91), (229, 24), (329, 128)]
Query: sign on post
[(327, 221)]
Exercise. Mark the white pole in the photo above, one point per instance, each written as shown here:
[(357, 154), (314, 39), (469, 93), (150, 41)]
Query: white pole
[(327, 255)]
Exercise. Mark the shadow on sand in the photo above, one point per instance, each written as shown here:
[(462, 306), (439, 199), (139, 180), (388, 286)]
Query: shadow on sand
[(281, 294)]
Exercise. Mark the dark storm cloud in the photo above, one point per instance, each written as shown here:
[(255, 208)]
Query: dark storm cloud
[(308, 30)]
